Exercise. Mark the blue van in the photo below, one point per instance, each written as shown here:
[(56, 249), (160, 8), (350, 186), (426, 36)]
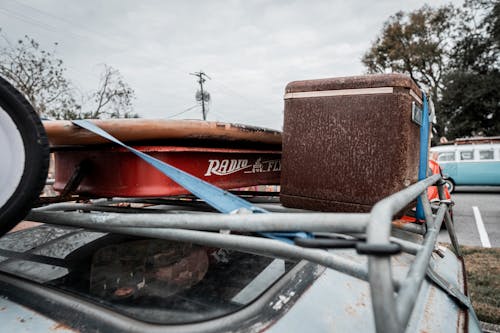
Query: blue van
[(470, 162)]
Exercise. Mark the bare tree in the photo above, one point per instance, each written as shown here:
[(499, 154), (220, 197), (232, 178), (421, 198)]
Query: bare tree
[(113, 98), (39, 75)]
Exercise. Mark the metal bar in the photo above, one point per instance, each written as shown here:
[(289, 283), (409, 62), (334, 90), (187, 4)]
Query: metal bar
[(331, 222), (411, 285), (406, 246), (427, 210), (451, 232), (379, 267), (391, 314), (411, 227), (199, 205), (194, 205), (262, 246), (447, 219), (154, 201), (96, 208)]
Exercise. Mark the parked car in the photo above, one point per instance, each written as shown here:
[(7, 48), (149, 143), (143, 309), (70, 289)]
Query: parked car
[(171, 264), (473, 162), (69, 278)]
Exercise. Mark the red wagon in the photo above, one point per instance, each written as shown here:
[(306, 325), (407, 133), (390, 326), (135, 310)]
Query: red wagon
[(226, 155)]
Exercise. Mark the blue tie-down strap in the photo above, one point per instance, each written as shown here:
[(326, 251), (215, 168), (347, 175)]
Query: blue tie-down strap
[(424, 147), (223, 201)]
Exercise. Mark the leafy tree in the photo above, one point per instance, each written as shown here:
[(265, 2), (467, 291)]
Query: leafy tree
[(455, 54), (470, 103), (416, 43), (40, 76)]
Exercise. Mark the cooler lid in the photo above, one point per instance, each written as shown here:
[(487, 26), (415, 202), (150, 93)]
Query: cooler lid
[(355, 82)]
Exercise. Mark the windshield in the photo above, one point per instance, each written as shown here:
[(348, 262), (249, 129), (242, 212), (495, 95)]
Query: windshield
[(152, 280)]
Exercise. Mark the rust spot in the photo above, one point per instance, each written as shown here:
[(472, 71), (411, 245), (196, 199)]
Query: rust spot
[(350, 311), (25, 225), (428, 312), (61, 326), (361, 300), (124, 292), (399, 223)]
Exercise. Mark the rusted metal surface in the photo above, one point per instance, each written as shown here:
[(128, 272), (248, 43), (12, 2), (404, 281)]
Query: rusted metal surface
[(64, 133), (346, 152), (354, 82), (114, 171), (24, 225)]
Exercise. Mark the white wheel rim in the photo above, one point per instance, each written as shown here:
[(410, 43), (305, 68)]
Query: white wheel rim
[(449, 185), (12, 157)]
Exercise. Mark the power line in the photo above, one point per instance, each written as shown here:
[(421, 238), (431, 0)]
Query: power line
[(234, 92), (26, 19), (72, 23), (87, 33), (184, 111)]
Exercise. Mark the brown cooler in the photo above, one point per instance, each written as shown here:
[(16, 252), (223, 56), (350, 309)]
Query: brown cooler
[(349, 142)]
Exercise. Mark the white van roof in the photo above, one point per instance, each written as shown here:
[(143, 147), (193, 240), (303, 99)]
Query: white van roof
[(465, 147)]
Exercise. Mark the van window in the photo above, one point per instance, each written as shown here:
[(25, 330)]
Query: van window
[(446, 156), (486, 154), (466, 155)]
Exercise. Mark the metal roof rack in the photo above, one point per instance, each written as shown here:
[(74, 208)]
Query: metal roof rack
[(393, 299), (473, 140)]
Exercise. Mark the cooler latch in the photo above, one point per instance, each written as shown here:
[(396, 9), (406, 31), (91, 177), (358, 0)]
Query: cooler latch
[(416, 114)]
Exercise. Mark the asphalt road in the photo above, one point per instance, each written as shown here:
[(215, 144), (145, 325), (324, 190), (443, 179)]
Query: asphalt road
[(468, 219)]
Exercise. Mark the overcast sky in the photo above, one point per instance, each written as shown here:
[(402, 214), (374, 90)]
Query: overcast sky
[(250, 49)]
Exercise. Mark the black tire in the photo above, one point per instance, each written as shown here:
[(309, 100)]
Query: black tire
[(18, 199), (450, 184)]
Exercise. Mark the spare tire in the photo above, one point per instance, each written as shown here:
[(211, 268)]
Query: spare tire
[(24, 156)]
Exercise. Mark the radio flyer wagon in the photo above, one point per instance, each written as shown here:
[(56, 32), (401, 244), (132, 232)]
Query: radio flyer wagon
[(136, 241)]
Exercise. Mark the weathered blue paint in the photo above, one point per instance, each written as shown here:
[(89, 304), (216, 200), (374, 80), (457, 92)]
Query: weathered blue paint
[(469, 164), (346, 304), (19, 319)]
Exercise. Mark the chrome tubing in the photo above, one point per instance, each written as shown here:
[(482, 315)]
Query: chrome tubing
[(379, 267)]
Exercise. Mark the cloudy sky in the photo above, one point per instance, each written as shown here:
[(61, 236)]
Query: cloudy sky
[(250, 49)]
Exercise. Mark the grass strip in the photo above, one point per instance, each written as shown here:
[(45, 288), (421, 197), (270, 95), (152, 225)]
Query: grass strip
[(483, 278)]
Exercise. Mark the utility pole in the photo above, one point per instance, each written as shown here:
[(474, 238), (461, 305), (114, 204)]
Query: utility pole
[(201, 95)]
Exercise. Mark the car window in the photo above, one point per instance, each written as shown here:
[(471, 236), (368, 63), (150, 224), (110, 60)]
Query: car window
[(466, 155), (152, 280), (486, 154), (446, 156)]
